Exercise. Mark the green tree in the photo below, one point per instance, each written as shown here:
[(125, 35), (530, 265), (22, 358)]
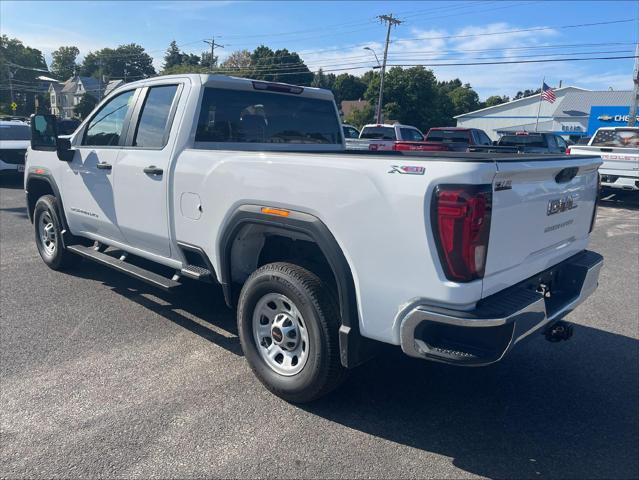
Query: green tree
[(279, 66), (238, 60), (319, 80), (464, 99), (130, 61), (43, 103), (526, 93), (348, 87), (63, 65), (173, 56), (86, 106), (19, 68), (361, 116), (415, 95), (495, 100)]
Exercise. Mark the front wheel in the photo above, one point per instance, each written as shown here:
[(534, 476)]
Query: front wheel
[(288, 323), (48, 235)]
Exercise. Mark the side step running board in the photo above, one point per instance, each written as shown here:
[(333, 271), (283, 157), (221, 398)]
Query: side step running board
[(195, 272), (134, 271)]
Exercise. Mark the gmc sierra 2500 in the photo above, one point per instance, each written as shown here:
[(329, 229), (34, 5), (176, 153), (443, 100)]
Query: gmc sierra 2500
[(455, 257)]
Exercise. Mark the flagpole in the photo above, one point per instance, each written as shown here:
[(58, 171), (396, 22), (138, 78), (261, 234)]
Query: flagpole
[(541, 94)]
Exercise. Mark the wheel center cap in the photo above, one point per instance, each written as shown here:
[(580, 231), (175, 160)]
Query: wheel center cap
[(277, 335)]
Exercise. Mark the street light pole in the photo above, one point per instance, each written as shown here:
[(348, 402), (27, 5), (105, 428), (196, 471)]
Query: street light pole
[(391, 22), (379, 65), (632, 115)]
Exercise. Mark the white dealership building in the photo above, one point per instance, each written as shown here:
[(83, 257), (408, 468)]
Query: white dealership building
[(569, 115)]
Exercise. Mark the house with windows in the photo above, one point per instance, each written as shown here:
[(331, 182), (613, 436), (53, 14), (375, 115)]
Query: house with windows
[(66, 96)]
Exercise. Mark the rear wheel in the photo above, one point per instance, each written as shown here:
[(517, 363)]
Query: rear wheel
[(288, 323), (48, 235)]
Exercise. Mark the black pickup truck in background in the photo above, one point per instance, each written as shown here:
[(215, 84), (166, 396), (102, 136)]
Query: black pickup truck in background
[(525, 143)]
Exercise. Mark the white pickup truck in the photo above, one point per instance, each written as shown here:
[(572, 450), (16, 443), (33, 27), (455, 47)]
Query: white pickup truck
[(619, 150), (454, 257)]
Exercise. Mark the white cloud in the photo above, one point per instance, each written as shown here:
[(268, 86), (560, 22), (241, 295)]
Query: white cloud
[(434, 46)]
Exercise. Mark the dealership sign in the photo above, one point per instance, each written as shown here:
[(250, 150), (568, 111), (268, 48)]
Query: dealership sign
[(608, 117)]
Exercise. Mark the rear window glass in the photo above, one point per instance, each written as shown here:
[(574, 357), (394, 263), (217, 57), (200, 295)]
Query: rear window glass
[(411, 134), (262, 117), (447, 136), (522, 140), (378, 133), (15, 132), (616, 138)]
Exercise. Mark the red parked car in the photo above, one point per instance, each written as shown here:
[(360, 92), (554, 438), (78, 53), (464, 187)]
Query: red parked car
[(458, 139)]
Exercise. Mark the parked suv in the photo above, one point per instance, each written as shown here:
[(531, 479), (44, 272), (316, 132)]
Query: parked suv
[(14, 141)]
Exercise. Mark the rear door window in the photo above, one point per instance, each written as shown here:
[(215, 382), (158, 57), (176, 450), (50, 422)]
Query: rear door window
[(154, 121), (262, 117), (483, 138)]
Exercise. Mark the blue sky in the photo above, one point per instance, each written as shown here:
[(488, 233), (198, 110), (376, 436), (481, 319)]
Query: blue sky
[(332, 34)]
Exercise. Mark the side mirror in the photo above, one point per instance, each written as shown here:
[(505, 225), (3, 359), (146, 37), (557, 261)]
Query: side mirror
[(44, 136)]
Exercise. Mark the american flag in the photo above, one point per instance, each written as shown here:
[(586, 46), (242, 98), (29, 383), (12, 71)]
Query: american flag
[(548, 94)]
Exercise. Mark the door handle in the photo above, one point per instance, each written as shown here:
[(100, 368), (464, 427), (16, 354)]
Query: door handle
[(153, 170), (104, 166)]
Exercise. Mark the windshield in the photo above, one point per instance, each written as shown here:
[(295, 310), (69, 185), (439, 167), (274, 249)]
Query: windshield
[(447, 136), (617, 138), (15, 132), (522, 141), (378, 133)]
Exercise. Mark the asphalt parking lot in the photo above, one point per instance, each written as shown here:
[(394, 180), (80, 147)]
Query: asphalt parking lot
[(103, 376)]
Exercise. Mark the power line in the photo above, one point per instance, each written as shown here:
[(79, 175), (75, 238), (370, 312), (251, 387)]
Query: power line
[(547, 60), (533, 29)]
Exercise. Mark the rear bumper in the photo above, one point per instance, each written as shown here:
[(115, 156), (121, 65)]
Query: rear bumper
[(620, 181), (486, 334)]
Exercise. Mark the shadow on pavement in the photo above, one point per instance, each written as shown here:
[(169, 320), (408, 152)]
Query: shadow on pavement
[(619, 199), (560, 411), (565, 410), (17, 211), (196, 306)]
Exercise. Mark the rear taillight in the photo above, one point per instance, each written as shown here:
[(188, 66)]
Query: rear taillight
[(461, 225), (594, 209), (567, 150)]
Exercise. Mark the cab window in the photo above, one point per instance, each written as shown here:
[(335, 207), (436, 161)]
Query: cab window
[(154, 119), (107, 125)]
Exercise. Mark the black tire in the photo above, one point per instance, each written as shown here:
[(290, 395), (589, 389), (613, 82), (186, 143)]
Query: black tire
[(51, 250), (322, 371)]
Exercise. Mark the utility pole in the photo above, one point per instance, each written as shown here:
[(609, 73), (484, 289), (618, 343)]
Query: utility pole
[(11, 73), (211, 42), (390, 21), (632, 115)]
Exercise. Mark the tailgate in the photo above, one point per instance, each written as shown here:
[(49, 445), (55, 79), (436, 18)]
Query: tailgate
[(620, 161), (616, 160), (541, 214)]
